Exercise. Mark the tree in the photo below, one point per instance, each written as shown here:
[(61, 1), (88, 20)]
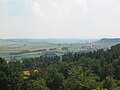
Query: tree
[(38, 84), (55, 79), (81, 80), (62, 68), (10, 75), (110, 83)]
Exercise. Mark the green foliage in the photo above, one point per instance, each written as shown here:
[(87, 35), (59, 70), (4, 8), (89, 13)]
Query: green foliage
[(110, 83), (10, 75), (55, 79), (38, 84), (63, 68), (81, 80), (97, 70)]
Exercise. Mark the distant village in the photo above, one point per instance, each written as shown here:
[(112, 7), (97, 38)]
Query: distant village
[(56, 51)]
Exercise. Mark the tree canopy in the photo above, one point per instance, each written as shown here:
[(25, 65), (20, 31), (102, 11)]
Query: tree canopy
[(97, 70)]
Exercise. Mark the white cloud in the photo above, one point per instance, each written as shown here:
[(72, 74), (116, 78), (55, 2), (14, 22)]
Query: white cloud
[(62, 18), (82, 4), (5, 1), (56, 5), (37, 9)]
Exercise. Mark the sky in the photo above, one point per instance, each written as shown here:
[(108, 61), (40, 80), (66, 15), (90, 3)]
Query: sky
[(59, 19)]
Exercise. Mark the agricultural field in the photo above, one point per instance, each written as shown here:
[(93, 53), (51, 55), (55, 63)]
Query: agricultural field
[(15, 49)]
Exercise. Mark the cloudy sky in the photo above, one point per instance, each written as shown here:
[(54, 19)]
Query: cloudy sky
[(59, 18)]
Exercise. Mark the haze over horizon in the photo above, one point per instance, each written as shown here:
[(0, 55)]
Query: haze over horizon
[(76, 19)]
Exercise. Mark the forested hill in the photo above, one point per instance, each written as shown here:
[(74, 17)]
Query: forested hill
[(109, 41), (98, 70)]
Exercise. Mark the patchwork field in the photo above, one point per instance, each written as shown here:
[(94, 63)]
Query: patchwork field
[(15, 49)]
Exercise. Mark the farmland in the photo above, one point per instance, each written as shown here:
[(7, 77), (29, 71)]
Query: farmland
[(15, 49)]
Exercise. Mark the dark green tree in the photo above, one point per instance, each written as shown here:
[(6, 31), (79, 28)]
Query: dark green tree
[(55, 79)]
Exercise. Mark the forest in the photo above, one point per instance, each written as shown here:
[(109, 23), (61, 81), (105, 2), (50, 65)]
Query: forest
[(96, 70)]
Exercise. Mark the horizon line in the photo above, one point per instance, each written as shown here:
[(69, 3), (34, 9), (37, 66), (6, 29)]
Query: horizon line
[(68, 38)]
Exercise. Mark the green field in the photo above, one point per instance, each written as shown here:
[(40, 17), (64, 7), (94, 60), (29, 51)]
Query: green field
[(15, 49), (7, 47)]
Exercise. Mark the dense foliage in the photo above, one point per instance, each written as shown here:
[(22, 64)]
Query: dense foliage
[(97, 70)]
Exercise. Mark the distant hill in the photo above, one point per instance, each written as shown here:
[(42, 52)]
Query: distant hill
[(108, 41), (48, 41)]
